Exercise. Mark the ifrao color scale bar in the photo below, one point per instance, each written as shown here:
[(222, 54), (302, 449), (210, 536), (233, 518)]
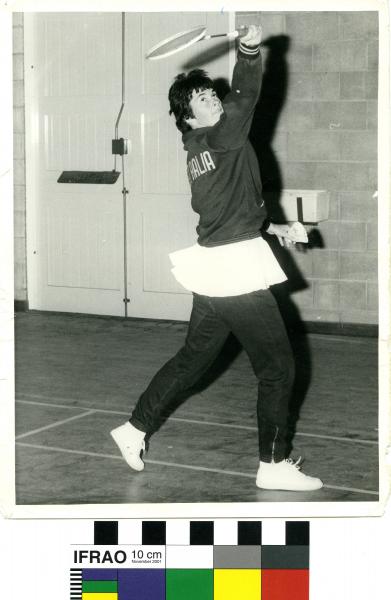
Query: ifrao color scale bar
[(189, 567), (237, 568), (285, 569), (196, 560)]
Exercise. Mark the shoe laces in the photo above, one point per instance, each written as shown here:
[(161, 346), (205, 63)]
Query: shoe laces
[(292, 463)]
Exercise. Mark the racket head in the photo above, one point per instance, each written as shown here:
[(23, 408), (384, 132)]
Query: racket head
[(176, 43)]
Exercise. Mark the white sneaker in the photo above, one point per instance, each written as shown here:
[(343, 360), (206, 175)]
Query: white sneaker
[(130, 441), (285, 475)]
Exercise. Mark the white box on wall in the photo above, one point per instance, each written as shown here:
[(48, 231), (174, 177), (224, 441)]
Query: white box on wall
[(314, 205)]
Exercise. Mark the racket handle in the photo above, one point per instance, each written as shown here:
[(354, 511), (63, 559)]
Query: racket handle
[(240, 32)]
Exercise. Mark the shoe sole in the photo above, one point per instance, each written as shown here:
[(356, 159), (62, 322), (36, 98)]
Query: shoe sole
[(288, 489)]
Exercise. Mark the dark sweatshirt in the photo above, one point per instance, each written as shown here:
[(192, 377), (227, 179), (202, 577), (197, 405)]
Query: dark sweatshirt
[(222, 166)]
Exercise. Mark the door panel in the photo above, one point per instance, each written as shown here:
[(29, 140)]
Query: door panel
[(162, 203), (82, 249)]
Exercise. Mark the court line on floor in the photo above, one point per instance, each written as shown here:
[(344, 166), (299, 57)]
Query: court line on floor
[(347, 339), (56, 424), (177, 465), (249, 428), (210, 423)]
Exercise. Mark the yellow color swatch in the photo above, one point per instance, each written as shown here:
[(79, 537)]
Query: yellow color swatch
[(237, 584), (100, 596)]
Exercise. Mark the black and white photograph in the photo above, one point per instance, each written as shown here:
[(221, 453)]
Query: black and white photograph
[(201, 278)]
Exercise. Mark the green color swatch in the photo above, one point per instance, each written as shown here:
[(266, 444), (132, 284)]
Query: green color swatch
[(192, 584), (99, 587)]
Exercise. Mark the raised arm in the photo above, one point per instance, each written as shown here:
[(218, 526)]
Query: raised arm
[(239, 105)]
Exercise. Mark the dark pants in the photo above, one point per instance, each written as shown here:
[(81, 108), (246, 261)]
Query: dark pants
[(256, 322)]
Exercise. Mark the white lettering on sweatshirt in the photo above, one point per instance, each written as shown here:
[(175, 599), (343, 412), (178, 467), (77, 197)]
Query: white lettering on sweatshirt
[(199, 165)]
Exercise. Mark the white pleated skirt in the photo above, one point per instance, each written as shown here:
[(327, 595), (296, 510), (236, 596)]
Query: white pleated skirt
[(228, 270)]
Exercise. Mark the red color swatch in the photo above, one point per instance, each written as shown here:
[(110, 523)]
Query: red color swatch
[(285, 584)]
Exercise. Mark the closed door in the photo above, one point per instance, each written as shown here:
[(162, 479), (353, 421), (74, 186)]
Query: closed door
[(73, 95)]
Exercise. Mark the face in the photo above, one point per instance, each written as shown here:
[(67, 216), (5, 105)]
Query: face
[(206, 108)]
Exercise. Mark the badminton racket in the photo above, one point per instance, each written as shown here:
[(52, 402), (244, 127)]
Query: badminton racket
[(184, 39)]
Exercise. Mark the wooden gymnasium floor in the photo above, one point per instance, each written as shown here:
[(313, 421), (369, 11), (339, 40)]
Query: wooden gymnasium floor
[(77, 377)]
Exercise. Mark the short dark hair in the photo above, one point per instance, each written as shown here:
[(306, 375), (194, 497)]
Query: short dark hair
[(181, 92)]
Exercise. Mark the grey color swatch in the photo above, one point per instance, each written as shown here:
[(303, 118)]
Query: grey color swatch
[(237, 557), (285, 557)]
